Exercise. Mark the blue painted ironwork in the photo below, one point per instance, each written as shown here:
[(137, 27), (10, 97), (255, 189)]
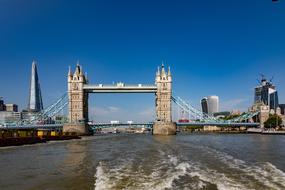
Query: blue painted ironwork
[(33, 126), (201, 118), (52, 110), (205, 119), (44, 115)]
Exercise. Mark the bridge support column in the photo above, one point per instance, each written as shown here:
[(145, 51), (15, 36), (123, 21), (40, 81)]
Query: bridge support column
[(163, 124), (78, 103), (78, 128), (164, 128)]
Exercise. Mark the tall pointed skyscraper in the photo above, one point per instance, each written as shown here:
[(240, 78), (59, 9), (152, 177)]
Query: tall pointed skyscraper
[(35, 96)]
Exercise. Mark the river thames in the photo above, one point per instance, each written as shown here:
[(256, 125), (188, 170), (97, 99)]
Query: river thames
[(140, 161)]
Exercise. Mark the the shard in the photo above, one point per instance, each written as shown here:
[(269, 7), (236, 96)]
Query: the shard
[(35, 97)]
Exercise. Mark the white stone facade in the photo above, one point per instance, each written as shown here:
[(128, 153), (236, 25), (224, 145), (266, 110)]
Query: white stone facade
[(78, 99), (163, 81)]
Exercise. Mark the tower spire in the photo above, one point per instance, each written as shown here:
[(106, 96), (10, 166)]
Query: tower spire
[(169, 73), (77, 70), (162, 69), (86, 77), (80, 71), (69, 71), (158, 71)]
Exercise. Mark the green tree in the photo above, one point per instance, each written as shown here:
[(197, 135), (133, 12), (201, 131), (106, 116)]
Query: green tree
[(229, 117), (273, 121)]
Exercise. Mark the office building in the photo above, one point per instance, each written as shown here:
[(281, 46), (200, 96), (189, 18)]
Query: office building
[(9, 113), (10, 117), (266, 93), (282, 109), (2, 106), (210, 105), (204, 105), (11, 107)]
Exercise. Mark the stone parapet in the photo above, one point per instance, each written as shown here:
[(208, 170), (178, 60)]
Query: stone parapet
[(164, 128)]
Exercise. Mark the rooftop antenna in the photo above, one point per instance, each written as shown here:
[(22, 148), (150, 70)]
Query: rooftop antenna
[(271, 79), (258, 81)]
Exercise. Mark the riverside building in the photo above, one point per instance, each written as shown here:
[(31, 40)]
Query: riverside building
[(9, 113)]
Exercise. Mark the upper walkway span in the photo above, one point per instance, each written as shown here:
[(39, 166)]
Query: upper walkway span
[(119, 88)]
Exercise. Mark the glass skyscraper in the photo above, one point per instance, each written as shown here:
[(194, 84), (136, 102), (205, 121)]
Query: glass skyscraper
[(266, 93), (210, 105), (35, 97)]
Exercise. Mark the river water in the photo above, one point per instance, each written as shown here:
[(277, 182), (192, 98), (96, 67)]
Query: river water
[(139, 161)]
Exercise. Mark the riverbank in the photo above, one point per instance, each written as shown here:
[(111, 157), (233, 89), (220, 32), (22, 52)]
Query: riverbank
[(237, 132), (18, 141)]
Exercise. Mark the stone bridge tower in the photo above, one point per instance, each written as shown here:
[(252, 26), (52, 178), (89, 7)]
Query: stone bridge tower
[(78, 102), (163, 124)]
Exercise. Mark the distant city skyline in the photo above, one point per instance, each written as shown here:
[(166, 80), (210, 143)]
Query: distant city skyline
[(212, 48)]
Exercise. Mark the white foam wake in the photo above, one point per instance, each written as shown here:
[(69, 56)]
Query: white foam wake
[(169, 170), (265, 173), (163, 176)]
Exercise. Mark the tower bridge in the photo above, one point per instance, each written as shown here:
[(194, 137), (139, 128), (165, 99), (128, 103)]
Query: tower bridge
[(79, 90)]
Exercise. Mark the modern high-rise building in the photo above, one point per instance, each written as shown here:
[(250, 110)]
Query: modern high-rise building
[(213, 104), (2, 106), (210, 105), (266, 93), (204, 105), (35, 97), (282, 108)]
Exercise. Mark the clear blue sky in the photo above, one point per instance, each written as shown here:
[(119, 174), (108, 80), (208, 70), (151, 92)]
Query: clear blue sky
[(213, 47)]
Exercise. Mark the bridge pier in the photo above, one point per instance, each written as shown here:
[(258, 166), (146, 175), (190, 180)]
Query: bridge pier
[(78, 128), (164, 128)]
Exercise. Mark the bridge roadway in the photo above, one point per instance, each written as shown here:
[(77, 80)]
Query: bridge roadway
[(35, 126), (120, 88), (106, 125)]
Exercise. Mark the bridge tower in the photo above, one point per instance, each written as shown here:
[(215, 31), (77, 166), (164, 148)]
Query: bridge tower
[(163, 124), (78, 102)]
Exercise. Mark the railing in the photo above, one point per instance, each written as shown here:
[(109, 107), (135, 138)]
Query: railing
[(42, 116), (205, 118), (119, 85)]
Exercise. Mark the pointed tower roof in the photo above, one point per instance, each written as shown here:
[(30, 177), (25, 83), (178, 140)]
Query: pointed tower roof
[(77, 70), (69, 71), (86, 77), (80, 71), (162, 70), (169, 73), (158, 71)]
